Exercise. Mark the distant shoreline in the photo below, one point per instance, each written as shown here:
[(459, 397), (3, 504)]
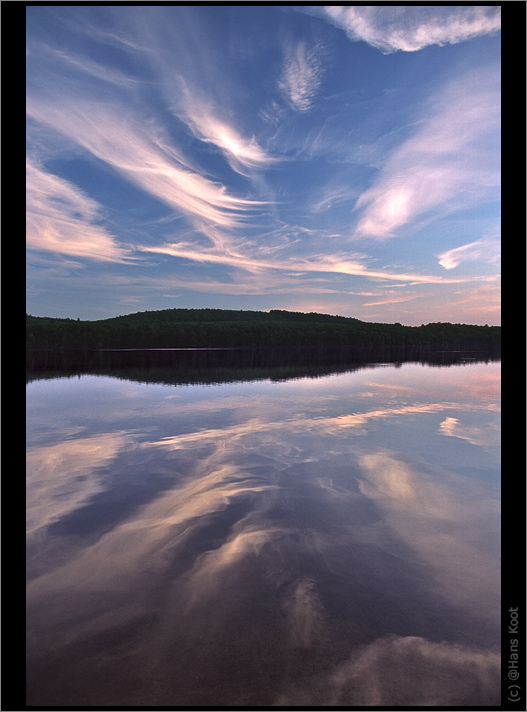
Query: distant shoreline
[(215, 329)]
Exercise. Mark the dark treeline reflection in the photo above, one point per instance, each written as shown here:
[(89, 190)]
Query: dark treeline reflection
[(188, 366)]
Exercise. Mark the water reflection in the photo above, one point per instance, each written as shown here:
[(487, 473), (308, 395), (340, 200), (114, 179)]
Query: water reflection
[(309, 542)]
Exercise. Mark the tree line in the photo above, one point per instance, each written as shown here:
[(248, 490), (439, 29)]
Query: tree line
[(218, 328)]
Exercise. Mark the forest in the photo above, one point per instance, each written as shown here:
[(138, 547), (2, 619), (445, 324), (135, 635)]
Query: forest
[(222, 328)]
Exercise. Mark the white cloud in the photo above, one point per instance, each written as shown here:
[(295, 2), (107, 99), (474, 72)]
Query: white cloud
[(452, 158), (259, 261), (240, 152), (139, 152), (486, 250), (301, 76), (85, 66), (411, 28), (333, 196)]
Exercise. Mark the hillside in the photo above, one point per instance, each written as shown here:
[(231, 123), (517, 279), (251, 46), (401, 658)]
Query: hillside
[(222, 328)]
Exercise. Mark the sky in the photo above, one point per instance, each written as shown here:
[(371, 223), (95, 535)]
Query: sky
[(334, 159)]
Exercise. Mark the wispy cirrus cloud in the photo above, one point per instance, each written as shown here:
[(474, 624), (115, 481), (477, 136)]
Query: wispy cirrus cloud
[(391, 298), (252, 261), (241, 153), (138, 151), (486, 250), (332, 197), (451, 159), (61, 218), (81, 67), (301, 75), (198, 93), (409, 28), (217, 151)]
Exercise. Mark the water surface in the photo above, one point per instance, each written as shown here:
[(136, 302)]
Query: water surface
[(329, 540)]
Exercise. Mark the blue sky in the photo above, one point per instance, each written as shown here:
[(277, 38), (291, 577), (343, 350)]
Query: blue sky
[(343, 160)]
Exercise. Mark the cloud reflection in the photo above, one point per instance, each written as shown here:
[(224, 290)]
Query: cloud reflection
[(256, 427), (63, 476), (409, 671), (482, 437), (437, 516), (276, 558), (305, 613)]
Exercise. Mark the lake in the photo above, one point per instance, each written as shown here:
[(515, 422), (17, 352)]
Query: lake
[(288, 537)]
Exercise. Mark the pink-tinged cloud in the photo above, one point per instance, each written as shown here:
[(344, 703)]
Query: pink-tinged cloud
[(485, 250), (61, 218), (391, 299), (139, 152), (243, 154), (444, 165), (254, 261)]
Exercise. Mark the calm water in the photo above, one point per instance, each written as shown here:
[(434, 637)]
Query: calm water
[(316, 541)]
